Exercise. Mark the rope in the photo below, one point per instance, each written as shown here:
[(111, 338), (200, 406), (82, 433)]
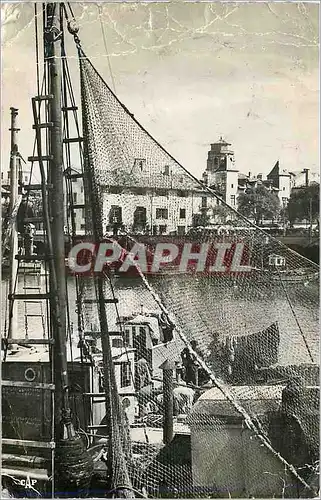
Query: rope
[(247, 418), (82, 55), (37, 48), (295, 316), (105, 44)]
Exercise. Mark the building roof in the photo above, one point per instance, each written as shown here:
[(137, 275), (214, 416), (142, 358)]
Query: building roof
[(254, 399), (222, 141), (275, 170)]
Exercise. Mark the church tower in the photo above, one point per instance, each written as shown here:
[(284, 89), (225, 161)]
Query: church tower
[(221, 172)]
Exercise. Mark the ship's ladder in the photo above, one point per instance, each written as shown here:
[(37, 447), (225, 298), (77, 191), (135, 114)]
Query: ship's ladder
[(31, 314), (36, 299)]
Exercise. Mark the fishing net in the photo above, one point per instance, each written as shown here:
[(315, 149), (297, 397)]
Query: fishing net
[(236, 329)]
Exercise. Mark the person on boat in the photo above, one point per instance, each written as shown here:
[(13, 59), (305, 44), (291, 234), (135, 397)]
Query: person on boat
[(166, 327), (179, 371), (28, 236), (143, 376), (194, 373), (26, 210), (147, 398), (183, 398), (190, 366)]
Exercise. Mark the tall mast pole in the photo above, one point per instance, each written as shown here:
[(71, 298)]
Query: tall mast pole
[(14, 232), (58, 278), (69, 449)]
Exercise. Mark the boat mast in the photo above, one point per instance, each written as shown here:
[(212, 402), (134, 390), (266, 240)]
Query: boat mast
[(14, 155), (53, 37)]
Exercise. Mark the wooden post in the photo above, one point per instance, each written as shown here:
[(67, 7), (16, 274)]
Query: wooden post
[(53, 38), (168, 431), (306, 172), (14, 232)]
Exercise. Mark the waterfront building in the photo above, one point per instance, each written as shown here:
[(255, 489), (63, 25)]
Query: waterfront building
[(223, 176), (282, 181), (162, 203)]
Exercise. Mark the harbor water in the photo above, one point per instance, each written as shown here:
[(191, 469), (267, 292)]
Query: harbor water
[(203, 308)]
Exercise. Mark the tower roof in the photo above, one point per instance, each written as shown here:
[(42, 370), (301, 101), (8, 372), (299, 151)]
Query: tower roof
[(275, 170), (221, 142)]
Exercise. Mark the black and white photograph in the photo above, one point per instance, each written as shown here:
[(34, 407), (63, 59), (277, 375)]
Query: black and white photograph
[(160, 249)]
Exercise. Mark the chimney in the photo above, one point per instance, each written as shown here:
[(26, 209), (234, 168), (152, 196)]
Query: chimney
[(259, 176), (205, 178), (249, 174)]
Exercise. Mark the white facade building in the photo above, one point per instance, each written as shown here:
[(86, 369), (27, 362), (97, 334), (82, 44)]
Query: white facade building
[(144, 208), (162, 204), (283, 181)]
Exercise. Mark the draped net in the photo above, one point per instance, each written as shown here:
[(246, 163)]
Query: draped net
[(246, 342)]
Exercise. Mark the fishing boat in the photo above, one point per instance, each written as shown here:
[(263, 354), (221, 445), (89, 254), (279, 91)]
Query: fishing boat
[(128, 405)]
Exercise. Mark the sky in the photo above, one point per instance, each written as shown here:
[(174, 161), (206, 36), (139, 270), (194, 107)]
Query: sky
[(190, 73)]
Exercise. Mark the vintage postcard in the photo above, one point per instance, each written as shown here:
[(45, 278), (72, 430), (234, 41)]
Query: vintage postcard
[(160, 249)]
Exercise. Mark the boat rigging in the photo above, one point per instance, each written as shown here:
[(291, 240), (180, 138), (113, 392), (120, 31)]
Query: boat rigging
[(133, 405)]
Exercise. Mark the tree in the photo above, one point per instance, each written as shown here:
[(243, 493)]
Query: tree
[(259, 202), (201, 219), (304, 203), (221, 212)]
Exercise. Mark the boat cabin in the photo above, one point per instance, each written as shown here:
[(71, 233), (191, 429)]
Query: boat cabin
[(229, 460), (26, 407), (142, 333)]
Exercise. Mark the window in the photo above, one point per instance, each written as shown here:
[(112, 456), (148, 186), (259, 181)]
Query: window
[(124, 374), (83, 226), (181, 230), (182, 213), (140, 191), (232, 199), (161, 213), (284, 189), (118, 343), (115, 215), (140, 216), (204, 202), (162, 229), (182, 194), (74, 197), (161, 192), (115, 189), (142, 330), (2, 175), (82, 189), (232, 186), (166, 170), (27, 178), (83, 213), (126, 337), (139, 163)]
